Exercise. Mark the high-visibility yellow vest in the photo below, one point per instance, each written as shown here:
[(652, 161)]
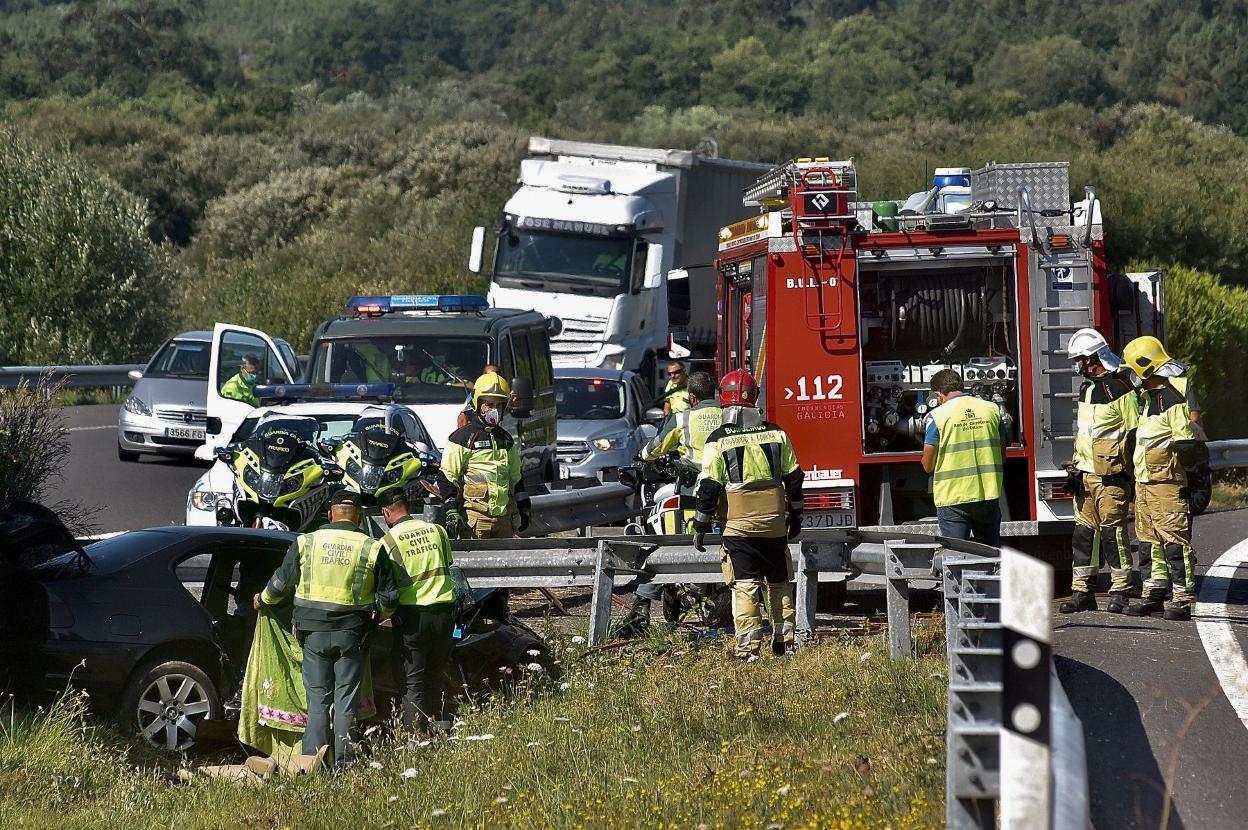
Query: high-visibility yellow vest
[(239, 390), (337, 570), (696, 425), (677, 397), (750, 465), (968, 451), (1166, 419), (1108, 409), (485, 465), (424, 551)]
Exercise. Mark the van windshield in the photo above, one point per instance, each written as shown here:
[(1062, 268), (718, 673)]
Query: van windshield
[(424, 368)]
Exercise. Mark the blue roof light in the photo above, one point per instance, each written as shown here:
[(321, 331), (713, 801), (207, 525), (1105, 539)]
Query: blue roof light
[(372, 306)]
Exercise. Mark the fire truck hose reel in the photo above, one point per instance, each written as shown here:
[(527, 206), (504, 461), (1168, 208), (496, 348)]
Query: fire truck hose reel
[(938, 312)]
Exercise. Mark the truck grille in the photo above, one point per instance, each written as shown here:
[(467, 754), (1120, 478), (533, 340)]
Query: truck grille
[(572, 452), (579, 340), (828, 500), (182, 415)]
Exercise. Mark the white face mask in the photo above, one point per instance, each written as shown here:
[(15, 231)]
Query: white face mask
[(492, 416)]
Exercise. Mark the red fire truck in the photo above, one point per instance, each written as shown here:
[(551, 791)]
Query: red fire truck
[(845, 309)]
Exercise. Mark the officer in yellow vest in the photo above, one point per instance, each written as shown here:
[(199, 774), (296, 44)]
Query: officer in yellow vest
[(480, 477), (343, 584), (241, 387), (1100, 473), (963, 450), (425, 619), (1163, 523), (749, 464), (685, 433), (675, 393)]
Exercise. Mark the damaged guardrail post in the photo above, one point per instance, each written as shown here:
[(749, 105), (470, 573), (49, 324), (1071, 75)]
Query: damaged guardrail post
[(814, 557), (600, 604), (903, 561)]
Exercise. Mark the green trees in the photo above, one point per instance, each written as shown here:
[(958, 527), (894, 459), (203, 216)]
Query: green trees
[(82, 282)]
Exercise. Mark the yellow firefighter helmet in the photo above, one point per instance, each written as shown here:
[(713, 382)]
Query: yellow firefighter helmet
[(490, 385), (1145, 355)]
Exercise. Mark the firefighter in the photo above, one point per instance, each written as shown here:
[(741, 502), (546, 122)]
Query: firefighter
[(480, 477), (750, 464), (1099, 475), (963, 450), (425, 618), (685, 433), (1164, 440), (343, 583), (675, 393)]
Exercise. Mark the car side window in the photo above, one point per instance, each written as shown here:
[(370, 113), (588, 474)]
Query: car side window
[(543, 374), (235, 345), (524, 362), (505, 360)]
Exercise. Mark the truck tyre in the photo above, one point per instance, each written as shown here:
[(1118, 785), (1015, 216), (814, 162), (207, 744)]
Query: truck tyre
[(165, 702)]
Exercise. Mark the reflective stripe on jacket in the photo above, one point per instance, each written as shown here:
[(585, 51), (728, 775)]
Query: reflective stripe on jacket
[(968, 451), (755, 468), (1166, 419), (481, 470), (686, 432), (337, 570), (1108, 409), (423, 551)]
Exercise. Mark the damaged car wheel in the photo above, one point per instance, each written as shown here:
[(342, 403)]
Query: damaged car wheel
[(167, 702)]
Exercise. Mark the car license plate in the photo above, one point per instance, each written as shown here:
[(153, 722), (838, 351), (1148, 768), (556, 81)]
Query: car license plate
[(184, 432), (836, 518), (564, 472)]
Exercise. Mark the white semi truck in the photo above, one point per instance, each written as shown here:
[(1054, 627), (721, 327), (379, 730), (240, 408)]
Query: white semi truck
[(618, 244)]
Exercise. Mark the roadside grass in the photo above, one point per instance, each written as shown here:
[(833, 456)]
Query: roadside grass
[(1230, 490), (664, 733)]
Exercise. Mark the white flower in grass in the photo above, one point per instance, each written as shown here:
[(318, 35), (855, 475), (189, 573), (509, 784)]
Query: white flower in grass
[(410, 772)]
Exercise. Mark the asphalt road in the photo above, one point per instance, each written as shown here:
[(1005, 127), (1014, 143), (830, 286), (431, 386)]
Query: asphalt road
[(1153, 710), (120, 495)]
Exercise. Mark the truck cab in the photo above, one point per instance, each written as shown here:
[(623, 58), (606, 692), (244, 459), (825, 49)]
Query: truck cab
[(431, 347)]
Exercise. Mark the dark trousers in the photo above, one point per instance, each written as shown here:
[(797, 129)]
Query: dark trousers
[(422, 647), (977, 520), (333, 669)]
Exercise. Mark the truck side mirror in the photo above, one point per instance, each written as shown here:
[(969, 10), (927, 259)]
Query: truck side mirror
[(521, 397), (654, 265), (477, 254)]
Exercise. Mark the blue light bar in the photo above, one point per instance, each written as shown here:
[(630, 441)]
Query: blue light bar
[(375, 305), (324, 391)]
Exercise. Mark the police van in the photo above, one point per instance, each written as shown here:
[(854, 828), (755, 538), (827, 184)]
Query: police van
[(431, 347)]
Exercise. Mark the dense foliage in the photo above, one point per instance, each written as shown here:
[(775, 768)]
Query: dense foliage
[(291, 153)]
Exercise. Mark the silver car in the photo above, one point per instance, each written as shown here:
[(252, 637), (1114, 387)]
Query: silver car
[(601, 421), (166, 411)]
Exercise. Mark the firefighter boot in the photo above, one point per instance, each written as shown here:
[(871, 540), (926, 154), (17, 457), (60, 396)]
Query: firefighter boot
[(747, 616), (1180, 561), (1079, 601), (637, 621), (1118, 602), (1153, 602), (783, 613)]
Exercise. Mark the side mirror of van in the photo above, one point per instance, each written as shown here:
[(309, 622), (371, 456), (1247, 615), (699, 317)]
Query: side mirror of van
[(477, 254), (654, 265), (521, 397)]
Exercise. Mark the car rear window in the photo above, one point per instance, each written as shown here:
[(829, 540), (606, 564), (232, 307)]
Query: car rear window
[(105, 556)]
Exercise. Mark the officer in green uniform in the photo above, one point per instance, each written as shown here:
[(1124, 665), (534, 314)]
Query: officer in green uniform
[(1163, 522), (425, 619), (343, 583), (749, 464), (1099, 476), (685, 433), (675, 393), (963, 450), (241, 387), (480, 477)]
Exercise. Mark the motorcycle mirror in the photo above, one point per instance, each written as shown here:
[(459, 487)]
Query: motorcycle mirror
[(521, 397), (629, 477)]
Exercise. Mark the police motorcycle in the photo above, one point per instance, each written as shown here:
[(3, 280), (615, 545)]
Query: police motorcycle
[(666, 487), (280, 476)]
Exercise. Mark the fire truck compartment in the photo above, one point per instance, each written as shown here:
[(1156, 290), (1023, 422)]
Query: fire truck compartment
[(921, 315)]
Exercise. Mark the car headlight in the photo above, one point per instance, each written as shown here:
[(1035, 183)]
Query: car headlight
[(135, 406), (205, 499), (614, 441)]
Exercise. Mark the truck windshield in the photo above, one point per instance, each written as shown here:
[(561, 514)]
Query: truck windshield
[(564, 262), (589, 399), (424, 369)]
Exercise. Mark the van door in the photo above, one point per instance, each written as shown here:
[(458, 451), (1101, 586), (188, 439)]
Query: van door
[(230, 344)]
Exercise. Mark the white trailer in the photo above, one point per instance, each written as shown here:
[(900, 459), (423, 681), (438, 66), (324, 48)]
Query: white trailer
[(591, 236)]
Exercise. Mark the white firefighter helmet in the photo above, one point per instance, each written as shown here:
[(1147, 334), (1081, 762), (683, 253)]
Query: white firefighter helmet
[(1091, 343)]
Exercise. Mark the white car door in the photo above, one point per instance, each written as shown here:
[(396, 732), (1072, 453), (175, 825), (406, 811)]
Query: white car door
[(230, 344)]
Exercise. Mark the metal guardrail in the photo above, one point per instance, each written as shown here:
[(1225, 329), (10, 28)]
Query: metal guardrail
[(563, 510), (74, 377), (1227, 454)]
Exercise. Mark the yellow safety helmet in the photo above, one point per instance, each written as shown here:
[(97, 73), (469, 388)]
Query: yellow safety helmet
[(490, 385), (1145, 355)]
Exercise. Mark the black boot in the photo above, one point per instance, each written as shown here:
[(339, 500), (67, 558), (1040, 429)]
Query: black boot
[(1178, 613), (1079, 601), (637, 622), (1152, 603), (1118, 602)]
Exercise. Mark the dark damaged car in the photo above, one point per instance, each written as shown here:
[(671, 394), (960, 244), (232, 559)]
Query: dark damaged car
[(155, 625)]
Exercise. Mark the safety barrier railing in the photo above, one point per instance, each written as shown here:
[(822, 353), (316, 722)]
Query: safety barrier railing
[(75, 377)]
